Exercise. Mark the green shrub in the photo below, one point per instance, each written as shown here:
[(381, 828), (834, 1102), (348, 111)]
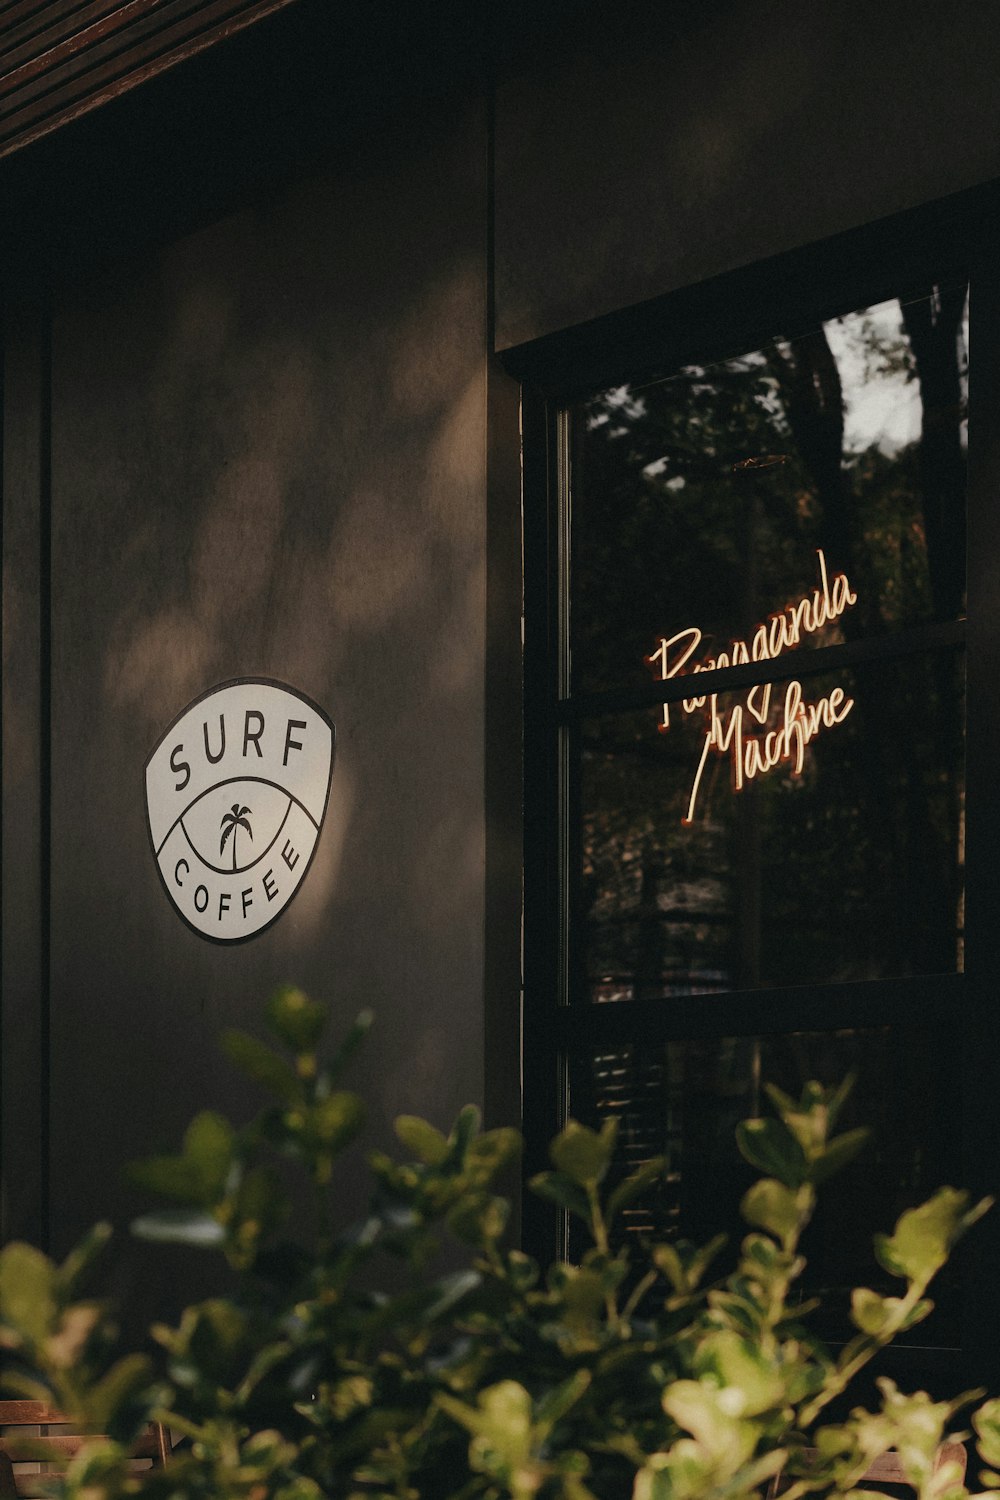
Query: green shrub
[(322, 1373)]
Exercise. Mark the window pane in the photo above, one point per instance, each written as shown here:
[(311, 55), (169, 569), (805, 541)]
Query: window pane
[(846, 866), (704, 503), (684, 1099)]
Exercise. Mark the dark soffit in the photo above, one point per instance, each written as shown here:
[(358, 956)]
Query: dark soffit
[(60, 59), (234, 121)]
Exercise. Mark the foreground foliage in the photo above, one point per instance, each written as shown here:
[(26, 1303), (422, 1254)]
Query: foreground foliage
[(342, 1364)]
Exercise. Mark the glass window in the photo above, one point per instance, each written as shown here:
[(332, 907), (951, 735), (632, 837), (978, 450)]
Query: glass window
[(755, 743), (842, 861), (797, 513), (684, 1099), (709, 502)]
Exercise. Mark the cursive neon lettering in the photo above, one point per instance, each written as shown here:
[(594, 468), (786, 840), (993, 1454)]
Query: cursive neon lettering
[(752, 754), (670, 669)]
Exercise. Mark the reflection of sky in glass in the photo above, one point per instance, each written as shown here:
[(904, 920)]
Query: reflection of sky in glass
[(881, 401), (881, 389), (700, 498)]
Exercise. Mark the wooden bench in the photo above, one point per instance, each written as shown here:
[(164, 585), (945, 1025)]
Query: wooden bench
[(887, 1469), (23, 1466)]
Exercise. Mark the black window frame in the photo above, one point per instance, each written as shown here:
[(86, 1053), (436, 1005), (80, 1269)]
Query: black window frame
[(957, 237)]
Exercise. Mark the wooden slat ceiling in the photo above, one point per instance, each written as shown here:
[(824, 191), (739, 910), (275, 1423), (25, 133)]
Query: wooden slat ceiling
[(61, 58)]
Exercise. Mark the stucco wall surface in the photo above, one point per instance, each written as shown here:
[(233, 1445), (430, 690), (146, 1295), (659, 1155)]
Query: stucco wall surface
[(267, 451), (648, 146)]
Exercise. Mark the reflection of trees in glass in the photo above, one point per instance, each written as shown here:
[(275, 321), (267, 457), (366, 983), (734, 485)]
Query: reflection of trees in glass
[(830, 875), (684, 1100), (700, 500), (673, 525)]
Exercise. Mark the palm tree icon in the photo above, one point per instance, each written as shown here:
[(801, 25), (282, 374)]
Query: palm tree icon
[(235, 818)]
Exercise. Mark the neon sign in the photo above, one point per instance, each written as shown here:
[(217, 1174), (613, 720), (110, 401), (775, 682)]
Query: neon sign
[(741, 732)]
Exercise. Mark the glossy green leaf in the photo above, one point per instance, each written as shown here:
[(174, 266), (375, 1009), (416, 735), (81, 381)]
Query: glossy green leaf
[(117, 1389), (352, 1041), (770, 1147), (986, 1422), (26, 1387), (760, 1253), (215, 1334), (489, 1153), (337, 1119), (783, 1103), (584, 1155), (871, 1312), (555, 1404), (582, 1293), (262, 1197), (778, 1209), (209, 1142), (464, 1131), (260, 1205), (81, 1258), (564, 1191), (633, 1186), (449, 1292), (259, 1063), (923, 1236), (27, 1290), (917, 1313), (522, 1270), (296, 1019), (667, 1259), (711, 1415), (479, 1221), (170, 1176), (684, 1264), (751, 1380), (73, 1328), (99, 1467), (702, 1256), (421, 1138), (504, 1411)]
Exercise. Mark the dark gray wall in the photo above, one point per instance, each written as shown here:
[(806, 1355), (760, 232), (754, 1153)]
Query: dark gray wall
[(23, 933), (268, 458), (275, 446), (647, 146)]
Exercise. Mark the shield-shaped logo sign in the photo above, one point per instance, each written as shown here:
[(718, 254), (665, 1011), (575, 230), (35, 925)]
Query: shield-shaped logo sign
[(236, 793)]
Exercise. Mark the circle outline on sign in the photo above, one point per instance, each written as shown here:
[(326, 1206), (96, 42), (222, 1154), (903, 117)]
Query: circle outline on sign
[(293, 801), (272, 682)]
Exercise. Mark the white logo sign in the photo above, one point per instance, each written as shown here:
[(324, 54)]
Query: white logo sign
[(236, 791)]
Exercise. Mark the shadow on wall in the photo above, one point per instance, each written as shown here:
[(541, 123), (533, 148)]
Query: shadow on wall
[(320, 521), (268, 459)]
